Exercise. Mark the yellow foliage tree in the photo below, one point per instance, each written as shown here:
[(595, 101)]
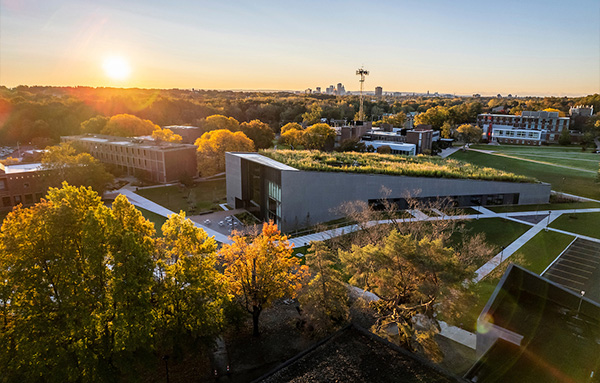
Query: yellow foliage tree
[(560, 114), (166, 135), (218, 122), (262, 270), (213, 145), (292, 137), (127, 125)]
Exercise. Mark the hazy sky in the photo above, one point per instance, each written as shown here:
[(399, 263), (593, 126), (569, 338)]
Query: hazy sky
[(523, 47)]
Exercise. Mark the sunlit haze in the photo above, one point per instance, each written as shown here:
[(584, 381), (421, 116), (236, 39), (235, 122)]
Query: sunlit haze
[(519, 47), (116, 68)]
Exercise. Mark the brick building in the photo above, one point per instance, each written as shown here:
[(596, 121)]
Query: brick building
[(159, 162), (530, 128), (21, 184)]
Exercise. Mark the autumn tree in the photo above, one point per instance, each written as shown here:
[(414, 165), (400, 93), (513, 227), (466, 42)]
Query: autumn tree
[(396, 120), (324, 299), (75, 291), (166, 135), (63, 163), (435, 117), (446, 130), (219, 122), (292, 137), (213, 145), (260, 270), (127, 125), (469, 133), (189, 291), (259, 132), (319, 136), (291, 126), (411, 277), (312, 115)]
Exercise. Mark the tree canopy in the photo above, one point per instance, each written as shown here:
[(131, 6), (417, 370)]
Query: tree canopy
[(259, 132), (63, 163), (213, 145), (319, 136), (469, 133), (166, 135), (127, 125), (262, 269)]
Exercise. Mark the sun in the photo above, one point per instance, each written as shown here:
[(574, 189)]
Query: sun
[(117, 68)]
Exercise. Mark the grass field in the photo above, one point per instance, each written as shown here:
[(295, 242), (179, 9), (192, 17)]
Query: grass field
[(565, 180), (579, 223), (201, 197), (535, 255), (498, 231), (544, 207)]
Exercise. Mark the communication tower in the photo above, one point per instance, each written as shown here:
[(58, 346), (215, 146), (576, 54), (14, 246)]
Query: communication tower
[(362, 73)]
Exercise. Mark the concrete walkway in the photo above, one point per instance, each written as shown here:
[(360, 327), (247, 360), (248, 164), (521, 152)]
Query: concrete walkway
[(145, 203), (449, 151)]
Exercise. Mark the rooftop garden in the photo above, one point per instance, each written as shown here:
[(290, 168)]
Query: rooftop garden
[(389, 164)]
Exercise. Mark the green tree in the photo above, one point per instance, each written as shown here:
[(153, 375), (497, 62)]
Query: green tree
[(189, 291), (63, 163), (469, 133), (411, 278), (76, 288), (319, 136), (213, 145), (564, 138), (261, 270), (324, 300), (94, 124), (127, 125), (313, 115), (259, 132)]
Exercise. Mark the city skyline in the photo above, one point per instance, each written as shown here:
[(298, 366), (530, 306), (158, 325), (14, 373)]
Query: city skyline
[(535, 48)]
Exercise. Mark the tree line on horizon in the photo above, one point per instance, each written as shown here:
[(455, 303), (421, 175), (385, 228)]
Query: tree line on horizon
[(37, 112)]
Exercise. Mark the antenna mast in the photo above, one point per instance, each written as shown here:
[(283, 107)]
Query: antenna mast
[(362, 73)]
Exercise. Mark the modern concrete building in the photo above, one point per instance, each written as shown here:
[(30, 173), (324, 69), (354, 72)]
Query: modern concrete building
[(530, 128), (295, 198), (21, 184), (158, 162)]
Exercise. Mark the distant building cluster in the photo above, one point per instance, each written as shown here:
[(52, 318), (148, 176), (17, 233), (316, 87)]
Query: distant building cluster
[(530, 128)]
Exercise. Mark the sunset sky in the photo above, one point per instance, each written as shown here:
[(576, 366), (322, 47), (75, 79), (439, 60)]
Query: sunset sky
[(525, 47)]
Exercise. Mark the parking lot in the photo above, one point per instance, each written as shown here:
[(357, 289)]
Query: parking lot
[(578, 269)]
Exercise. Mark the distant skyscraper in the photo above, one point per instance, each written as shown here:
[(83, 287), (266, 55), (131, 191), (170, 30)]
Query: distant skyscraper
[(378, 91), (340, 89), (330, 89), (318, 89)]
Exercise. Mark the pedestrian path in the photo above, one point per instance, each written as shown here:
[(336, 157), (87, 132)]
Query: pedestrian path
[(504, 254), (145, 203)]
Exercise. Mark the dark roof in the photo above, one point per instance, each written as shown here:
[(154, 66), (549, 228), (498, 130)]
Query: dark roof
[(355, 355), (560, 330)]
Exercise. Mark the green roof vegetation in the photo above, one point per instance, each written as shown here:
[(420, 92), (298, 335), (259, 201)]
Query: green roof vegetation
[(390, 164)]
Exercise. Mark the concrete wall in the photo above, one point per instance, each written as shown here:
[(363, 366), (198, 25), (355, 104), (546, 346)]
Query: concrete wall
[(233, 171), (314, 195)]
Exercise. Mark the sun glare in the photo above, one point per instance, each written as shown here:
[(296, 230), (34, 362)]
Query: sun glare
[(117, 68)]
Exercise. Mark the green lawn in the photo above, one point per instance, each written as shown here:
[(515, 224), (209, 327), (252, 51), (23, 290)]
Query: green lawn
[(545, 207), (156, 219), (535, 255), (498, 231), (579, 223), (565, 180), (201, 197)]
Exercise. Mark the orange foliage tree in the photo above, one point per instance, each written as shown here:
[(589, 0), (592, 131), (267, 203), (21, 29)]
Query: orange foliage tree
[(127, 125), (261, 270)]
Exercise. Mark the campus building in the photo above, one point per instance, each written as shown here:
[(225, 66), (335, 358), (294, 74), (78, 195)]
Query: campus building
[(189, 134), (295, 198), (530, 128), (402, 141), (21, 184), (156, 161)]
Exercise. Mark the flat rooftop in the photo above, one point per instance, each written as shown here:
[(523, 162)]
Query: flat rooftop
[(20, 168), (387, 164), (255, 157), (137, 142)]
